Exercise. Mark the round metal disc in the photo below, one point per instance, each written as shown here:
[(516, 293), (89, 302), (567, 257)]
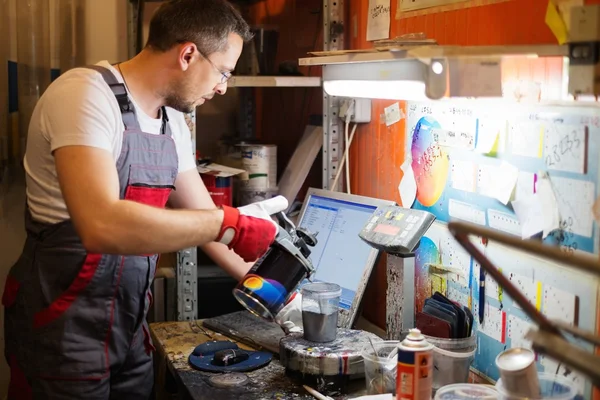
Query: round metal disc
[(228, 380)]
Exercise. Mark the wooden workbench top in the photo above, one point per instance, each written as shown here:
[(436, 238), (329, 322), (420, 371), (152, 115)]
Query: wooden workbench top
[(174, 343)]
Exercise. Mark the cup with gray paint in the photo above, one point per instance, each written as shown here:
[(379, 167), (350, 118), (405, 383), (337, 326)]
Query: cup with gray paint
[(320, 305)]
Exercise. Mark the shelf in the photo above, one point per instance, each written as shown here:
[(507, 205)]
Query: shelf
[(442, 72), (426, 53), (274, 81)]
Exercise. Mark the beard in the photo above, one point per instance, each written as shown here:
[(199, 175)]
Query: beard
[(177, 98)]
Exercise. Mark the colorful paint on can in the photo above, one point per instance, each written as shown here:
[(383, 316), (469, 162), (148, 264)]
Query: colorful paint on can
[(415, 368), (272, 280), (219, 188), (518, 372)]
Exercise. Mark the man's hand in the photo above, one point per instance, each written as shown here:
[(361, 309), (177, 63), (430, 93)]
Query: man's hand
[(249, 237)]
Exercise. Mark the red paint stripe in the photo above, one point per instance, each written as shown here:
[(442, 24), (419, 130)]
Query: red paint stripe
[(503, 328), (64, 301), (11, 288)]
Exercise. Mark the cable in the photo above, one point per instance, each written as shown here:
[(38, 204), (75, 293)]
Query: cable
[(341, 167), (347, 156)]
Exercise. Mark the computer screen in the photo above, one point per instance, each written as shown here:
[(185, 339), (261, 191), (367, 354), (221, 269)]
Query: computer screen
[(340, 256)]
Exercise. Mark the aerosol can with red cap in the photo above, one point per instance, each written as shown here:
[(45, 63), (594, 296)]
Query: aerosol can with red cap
[(415, 368)]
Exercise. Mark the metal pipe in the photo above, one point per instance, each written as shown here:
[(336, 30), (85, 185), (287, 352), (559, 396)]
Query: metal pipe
[(580, 261)]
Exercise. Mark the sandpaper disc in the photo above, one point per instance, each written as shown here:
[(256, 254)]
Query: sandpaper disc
[(228, 380)]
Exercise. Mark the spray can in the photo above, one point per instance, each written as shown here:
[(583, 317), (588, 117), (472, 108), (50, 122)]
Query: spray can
[(415, 368)]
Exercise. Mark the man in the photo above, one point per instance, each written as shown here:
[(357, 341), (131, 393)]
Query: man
[(108, 146)]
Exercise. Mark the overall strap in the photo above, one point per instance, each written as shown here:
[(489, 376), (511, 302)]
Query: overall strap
[(127, 110)]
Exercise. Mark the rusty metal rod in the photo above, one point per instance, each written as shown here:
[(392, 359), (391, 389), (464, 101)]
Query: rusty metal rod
[(581, 261), (505, 283)]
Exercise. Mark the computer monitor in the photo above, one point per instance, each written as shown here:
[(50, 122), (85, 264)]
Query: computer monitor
[(340, 256)]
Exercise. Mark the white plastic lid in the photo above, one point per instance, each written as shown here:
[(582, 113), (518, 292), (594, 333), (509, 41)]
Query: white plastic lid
[(516, 359), (461, 391)]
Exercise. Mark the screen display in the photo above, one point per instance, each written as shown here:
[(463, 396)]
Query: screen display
[(340, 256)]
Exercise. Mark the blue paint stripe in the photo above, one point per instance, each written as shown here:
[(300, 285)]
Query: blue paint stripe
[(13, 98)]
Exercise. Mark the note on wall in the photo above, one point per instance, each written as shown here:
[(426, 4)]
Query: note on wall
[(525, 185), (455, 294), (459, 138), (497, 182), (517, 329), (527, 286), (565, 148), (504, 222), (466, 212), (475, 77), (559, 305), (464, 175), (526, 139), (488, 134), (494, 322), (575, 200), (378, 23)]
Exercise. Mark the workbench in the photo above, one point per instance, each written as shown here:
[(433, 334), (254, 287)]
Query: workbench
[(176, 379)]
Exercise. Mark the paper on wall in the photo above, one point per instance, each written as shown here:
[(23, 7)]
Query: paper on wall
[(549, 204), (497, 182), (392, 114), (526, 139), (408, 185), (530, 214), (378, 22), (566, 148)]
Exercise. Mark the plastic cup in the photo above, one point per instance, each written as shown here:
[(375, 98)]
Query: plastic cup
[(380, 369), (551, 387), (320, 305), (466, 391)]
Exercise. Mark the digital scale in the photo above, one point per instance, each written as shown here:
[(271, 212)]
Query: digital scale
[(398, 232)]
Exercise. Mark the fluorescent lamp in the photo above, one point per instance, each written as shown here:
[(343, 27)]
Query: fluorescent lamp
[(409, 79), (387, 90)]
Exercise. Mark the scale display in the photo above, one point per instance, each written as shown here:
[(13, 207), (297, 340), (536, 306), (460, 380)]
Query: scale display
[(396, 230)]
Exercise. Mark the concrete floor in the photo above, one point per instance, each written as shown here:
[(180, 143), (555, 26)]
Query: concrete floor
[(12, 237)]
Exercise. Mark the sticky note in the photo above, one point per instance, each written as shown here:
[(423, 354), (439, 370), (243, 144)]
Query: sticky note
[(392, 114)]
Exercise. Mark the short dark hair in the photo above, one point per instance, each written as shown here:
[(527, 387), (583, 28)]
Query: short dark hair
[(206, 23)]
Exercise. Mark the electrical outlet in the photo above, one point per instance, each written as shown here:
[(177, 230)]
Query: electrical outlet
[(359, 110), (362, 111)]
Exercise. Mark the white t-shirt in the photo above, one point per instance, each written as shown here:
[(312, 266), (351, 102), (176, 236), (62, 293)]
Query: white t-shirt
[(80, 109)]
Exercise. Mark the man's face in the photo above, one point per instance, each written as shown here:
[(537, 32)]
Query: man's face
[(205, 76)]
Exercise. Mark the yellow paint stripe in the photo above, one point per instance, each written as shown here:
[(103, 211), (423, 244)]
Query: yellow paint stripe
[(541, 148), (538, 297)]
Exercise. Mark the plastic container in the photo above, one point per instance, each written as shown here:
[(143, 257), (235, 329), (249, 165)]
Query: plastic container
[(452, 360), (466, 391), (380, 369), (551, 387), (320, 305)]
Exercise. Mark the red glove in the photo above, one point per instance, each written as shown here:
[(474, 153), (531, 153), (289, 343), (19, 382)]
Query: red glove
[(249, 237)]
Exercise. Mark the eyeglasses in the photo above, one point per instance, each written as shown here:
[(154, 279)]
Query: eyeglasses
[(225, 76)]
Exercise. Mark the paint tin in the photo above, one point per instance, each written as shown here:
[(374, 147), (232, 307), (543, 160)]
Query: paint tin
[(518, 372), (415, 368), (270, 282), (260, 161), (219, 188)]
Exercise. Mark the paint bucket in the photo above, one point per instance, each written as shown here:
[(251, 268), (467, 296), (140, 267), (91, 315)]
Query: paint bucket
[(452, 359), (260, 161), (519, 372), (269, 284), (219, 188), (248, 195), (550, 386)]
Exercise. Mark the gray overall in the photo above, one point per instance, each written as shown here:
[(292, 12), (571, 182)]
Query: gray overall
[(75, 323)]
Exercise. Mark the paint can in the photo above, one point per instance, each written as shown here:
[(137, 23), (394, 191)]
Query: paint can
[(260, 161), (272, 280), (415, 368), (219, 188), (518, 372)]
